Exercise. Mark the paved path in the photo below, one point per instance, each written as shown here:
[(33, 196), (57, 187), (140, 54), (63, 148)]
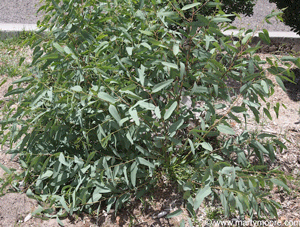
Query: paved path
[(24, 12)]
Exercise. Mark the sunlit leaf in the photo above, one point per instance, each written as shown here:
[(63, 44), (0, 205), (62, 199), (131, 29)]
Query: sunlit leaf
[(226, 129), (161, 85), (189, 6), (169, 111)]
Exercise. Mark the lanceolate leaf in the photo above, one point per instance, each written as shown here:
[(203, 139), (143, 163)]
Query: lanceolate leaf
[(206, 146), (225, 129), (157, 112), (133, 113), (204, 192), (143, 161), (58, 47), (174, 214), (189, 6), (169, 111), (114, 112), (161, 85), (15, 91), (106, 97), (133, 171), (171, 65), (175, 49), (76, 88), (280, 183), (5, 169)]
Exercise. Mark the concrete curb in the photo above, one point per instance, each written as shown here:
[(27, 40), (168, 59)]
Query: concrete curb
[(9, 30), (276, 35), (280, 41)]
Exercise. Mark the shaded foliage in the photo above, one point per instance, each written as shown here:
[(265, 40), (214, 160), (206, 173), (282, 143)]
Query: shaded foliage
[(291, 11)]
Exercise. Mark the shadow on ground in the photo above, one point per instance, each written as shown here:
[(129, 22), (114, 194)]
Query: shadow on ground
[(293, 89)]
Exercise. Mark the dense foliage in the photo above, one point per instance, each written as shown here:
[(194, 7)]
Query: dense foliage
[(291, 11), (228, 6), (119, 100)]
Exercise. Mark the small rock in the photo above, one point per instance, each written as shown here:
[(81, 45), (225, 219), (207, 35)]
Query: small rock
[(27, 217), (162, 214)]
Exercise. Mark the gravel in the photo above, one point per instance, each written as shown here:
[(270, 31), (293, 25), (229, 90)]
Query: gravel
[(261, 9), (24, 11), (19, 11)]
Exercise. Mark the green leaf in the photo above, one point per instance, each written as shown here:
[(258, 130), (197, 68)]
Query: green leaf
[(76, 88), (103, 189), (265, 86), (106, 97), (206, 146), (110, 202), (128, 136), (143, 161), (58, 47), (141, 73), (148, 33), (171, 65), (265, 135), (129, 88), (280, 83), (264, 36), (246, 38), (95, 197), (280, 183), (62, 159), (174, 214), (276, 109), (176, 125), (238, 109), (146, 105), (220, 19), (70, 52), (129, 50), (175, 49), (204, 192), (259, 146), (114, 112), (5, 169), (23, 79), (289, 58), (133, 171), (169, 112), (192, 146), (161, 85), (22, 59), (59, 221), (46, 175), (15, 91), (125, 175), (189, 6), (182, 223), (267, 113), (157, 112), (280, 144), (146, 45), (64, 204), (134, 115), (224, 204), (57, 8), (226, 129)]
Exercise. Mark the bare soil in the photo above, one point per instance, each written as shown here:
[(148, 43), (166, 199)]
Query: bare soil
[(16, 208)]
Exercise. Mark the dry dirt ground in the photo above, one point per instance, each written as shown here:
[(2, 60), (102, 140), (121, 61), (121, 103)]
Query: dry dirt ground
[(16, 208)]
